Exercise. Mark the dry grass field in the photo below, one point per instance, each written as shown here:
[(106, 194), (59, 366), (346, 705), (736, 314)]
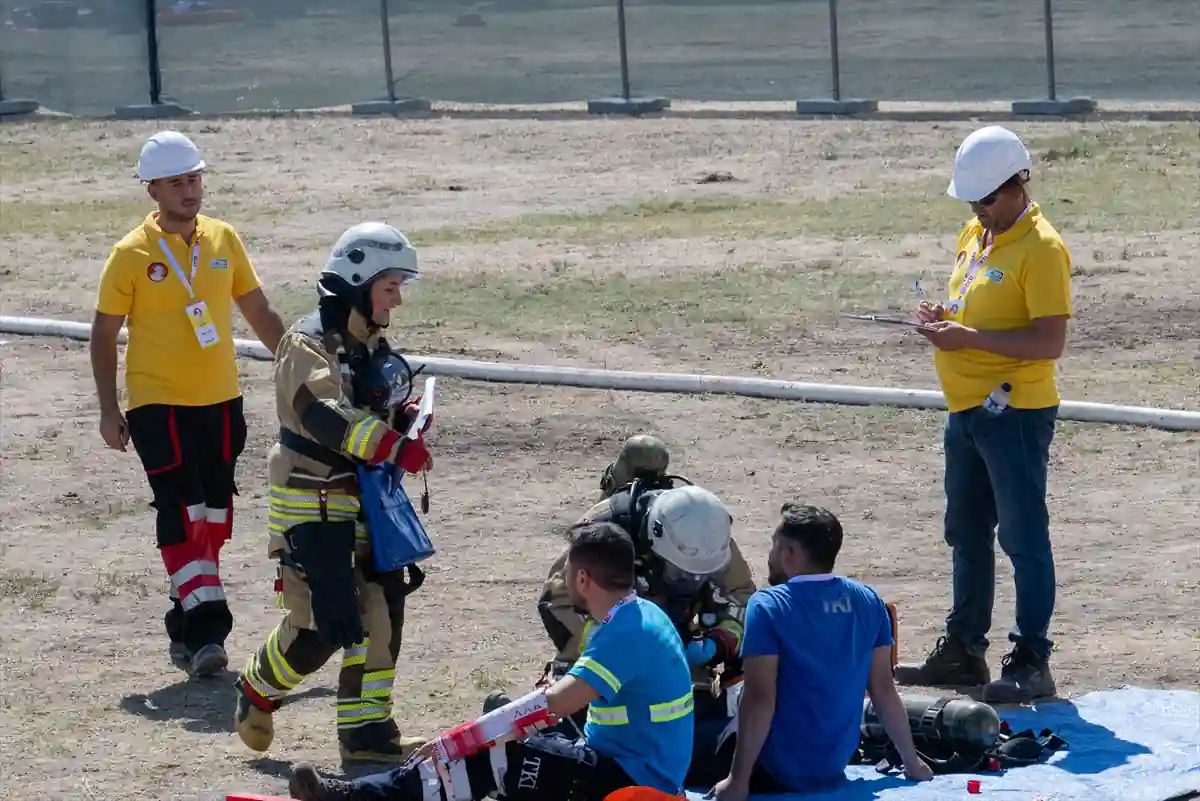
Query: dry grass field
[(597, 243)]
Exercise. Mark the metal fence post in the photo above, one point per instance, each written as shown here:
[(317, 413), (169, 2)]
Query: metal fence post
[(152, 64), (624, 47), (1048, 15), (834, 104), (1052, 106), (392, 104), (626, 103), (155, 109), (833, 51), (385, 25)]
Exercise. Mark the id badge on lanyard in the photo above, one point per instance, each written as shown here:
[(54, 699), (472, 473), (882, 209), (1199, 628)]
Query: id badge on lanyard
[(956, 304), (197, 310)]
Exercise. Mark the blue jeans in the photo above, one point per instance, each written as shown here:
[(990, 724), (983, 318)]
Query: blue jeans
[(996, 469)]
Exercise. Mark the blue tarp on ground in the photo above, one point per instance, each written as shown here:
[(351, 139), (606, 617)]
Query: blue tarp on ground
[(1125, 745)]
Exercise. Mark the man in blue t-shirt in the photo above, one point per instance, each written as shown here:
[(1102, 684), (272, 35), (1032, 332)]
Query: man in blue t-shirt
[(632, 676), (814, 643)]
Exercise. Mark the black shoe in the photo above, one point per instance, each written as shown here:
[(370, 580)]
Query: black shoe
[(949, 665), (494, 701), (307, 785), (1024, 676)]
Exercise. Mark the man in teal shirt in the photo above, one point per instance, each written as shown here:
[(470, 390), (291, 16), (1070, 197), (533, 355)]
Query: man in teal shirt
[(632, 676)]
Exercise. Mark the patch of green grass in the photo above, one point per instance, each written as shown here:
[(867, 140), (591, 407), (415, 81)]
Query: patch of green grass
[(848, 217), (63, 219), (753, 300)]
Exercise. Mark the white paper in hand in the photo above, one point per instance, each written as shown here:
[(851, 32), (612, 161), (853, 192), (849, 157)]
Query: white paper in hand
[(425, 411)]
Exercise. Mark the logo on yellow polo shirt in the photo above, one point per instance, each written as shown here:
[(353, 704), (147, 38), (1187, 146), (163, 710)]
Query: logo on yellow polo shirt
[(995, 276), (156, 271)]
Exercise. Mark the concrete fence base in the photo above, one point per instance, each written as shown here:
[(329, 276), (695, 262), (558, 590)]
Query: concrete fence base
[(152, 111), (1054, 108), (13, 108), (628, 106), (406, 105), (830, 107)]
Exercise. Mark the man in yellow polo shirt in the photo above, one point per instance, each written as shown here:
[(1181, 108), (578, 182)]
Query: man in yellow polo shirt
[(175, 279), (997, 338)]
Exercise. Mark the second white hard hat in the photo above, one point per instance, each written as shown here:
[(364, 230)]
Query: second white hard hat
[(985, 160), (168, 153), (690, 528)]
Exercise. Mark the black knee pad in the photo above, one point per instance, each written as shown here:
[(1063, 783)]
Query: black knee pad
[(307, 654)]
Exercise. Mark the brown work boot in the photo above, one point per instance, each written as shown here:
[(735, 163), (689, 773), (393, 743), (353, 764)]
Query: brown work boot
[(253, 717), (1023, 677), (949, 665), (377, 742), (307, 785)]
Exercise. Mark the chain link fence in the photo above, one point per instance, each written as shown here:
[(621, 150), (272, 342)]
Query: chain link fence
[(90, 57)]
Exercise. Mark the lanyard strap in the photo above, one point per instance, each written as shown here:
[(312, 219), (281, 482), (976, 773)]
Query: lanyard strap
[(980, 258), (183, 279), (628, 599)]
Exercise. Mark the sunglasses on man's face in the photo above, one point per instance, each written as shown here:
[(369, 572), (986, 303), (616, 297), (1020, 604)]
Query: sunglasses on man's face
[(986, 200)]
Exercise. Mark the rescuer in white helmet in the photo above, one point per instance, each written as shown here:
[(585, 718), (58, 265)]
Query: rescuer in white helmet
[(998, 335), (344, 402), (687, 563), (175, 278)]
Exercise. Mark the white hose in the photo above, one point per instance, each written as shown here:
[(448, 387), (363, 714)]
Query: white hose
[(1169, 419)]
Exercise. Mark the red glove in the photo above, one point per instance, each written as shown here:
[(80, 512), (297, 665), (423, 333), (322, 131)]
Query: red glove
[(411, 410), (411, 455)]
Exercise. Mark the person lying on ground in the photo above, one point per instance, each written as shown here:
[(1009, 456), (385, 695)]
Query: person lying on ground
[(814, 642), (633, 677)]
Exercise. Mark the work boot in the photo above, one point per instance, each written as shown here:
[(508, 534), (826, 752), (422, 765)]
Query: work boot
[(307, 785), (949, 665), (253, 718), (209, 661), (494, 701), (377, 742), (181, 655), (1024, 676)]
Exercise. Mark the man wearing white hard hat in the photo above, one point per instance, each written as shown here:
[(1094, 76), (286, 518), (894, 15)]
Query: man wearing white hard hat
[(175, 278), (997, 338)]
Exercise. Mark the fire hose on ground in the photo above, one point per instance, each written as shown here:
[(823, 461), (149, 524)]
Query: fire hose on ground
[(681, 383)]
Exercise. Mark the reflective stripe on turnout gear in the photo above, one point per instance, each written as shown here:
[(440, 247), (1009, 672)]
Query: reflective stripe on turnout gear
[(361, 435), (283, 678), (288, 507), (356, 655)]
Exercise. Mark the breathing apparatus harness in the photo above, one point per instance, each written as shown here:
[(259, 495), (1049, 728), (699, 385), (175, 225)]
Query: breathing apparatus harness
[(941, 740)]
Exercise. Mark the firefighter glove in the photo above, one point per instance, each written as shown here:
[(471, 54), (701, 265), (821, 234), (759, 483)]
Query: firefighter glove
[(701, 652), (324, 551)]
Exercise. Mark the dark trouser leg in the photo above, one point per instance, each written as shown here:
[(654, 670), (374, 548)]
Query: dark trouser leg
[(540, 768), (761, 781), (221, 438), (165, 446), (1016, 447), (970, 524), (710, 717)]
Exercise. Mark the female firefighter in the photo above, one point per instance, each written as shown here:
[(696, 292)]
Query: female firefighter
[(343, 401)]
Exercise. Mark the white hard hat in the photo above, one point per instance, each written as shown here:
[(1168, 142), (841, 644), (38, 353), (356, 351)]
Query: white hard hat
[(360, 255), (985, 160), (168, 153), (690, 529)]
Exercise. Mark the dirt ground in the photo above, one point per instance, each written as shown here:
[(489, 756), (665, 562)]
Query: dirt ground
[(602, 243)]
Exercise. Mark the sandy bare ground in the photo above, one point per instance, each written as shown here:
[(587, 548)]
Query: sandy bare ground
[(597, 243)]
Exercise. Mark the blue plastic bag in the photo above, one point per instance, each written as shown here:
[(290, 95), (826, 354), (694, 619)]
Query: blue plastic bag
[(397, 536)]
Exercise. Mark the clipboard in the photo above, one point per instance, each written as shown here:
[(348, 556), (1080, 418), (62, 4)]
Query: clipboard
[(425, 411), (880, 319)]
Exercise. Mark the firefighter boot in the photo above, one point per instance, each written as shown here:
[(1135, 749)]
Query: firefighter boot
[(379, 741), (949, 665), (307, 785), (1024, 676), (254, 717)]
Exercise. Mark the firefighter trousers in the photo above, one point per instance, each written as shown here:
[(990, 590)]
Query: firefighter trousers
[(293, 651), (189, 454)]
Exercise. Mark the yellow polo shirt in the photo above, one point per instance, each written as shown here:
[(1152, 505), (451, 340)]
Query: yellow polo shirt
[(1026, 275), (164, 362)]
